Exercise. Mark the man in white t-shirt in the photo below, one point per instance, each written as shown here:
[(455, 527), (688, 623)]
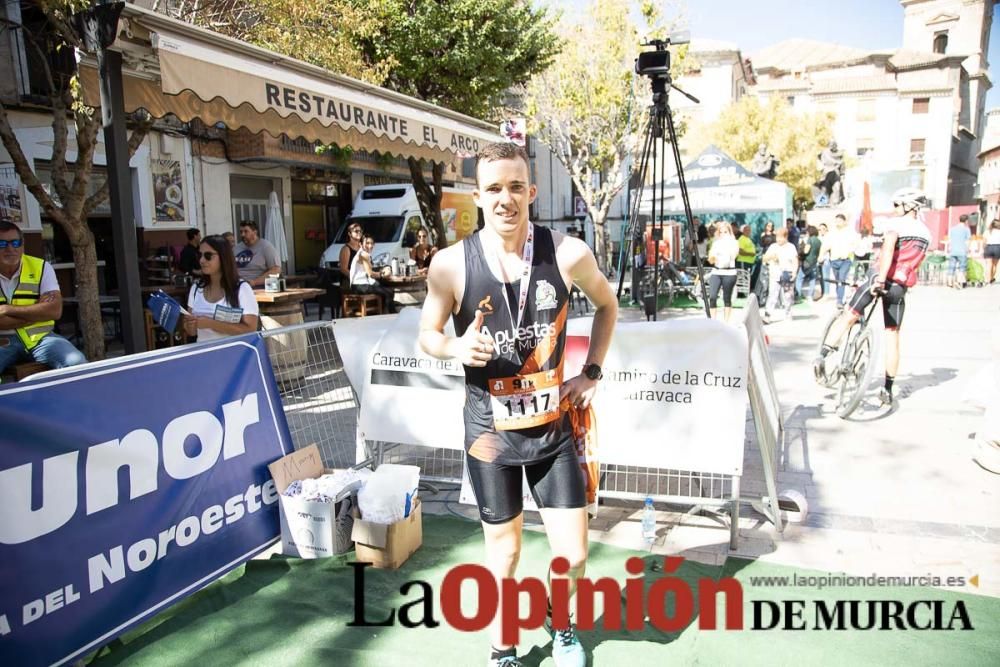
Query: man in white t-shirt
[(30, 304), (256, 258), (782, 258)]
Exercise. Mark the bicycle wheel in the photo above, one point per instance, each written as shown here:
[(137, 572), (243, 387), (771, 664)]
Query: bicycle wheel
[(829, 377), (856, 372), (670, 293)]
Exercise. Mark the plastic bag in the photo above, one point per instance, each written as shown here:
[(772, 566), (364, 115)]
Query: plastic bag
[(389, 493), (329, 488)]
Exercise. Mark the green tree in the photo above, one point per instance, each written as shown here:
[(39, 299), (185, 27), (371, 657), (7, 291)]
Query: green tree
[(590, 109), (326, 33), (795, 138), (459, 54), (74, 131), (463, 55)]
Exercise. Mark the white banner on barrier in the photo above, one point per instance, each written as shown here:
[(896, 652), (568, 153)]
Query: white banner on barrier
[(674, 393), (356, 336), (408, 396)]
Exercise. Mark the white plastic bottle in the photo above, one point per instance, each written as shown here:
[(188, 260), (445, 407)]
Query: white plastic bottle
[(648, 521)]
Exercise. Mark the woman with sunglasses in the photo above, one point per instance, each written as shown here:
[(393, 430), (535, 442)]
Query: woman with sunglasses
[(351, 247), (220, 303), (422, 252)]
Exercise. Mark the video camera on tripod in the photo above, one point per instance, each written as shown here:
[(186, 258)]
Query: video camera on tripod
[(655, 64)]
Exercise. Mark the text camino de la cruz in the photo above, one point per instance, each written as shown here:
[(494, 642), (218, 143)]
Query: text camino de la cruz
[(665, 387)]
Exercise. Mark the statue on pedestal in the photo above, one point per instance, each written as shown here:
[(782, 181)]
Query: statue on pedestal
[(765, 164), (829, 190)]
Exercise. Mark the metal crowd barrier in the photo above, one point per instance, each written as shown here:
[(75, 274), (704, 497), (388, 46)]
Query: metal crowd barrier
[(933, 271), (320, 405), (683, 487), (322, 408), (765, 407)]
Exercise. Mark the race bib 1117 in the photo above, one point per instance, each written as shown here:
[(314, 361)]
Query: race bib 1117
[(524, 401)]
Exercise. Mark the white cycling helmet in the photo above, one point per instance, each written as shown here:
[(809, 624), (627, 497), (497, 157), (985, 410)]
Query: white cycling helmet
[(911, 199)]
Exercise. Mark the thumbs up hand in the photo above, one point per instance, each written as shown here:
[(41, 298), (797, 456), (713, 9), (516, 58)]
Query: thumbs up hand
[(474, 348)]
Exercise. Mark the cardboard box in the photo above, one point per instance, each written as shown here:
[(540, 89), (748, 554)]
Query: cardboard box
[(384, 546), (310, 529)]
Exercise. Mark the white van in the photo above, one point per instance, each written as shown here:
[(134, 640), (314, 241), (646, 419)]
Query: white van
[(391, 214)]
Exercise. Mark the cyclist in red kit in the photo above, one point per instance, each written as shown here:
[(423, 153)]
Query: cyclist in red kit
[(904, 245), (507, 289)]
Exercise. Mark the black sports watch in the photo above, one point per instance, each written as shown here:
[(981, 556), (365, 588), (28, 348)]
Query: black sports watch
[(593, 372)]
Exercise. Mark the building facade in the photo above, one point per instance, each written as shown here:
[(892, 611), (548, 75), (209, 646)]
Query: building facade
[(917, 111), (559, 204), (214, 158), (717, 75), (989, 183)]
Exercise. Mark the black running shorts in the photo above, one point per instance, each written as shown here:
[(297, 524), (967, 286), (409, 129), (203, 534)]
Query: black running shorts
[(554, 482), (893, 302)]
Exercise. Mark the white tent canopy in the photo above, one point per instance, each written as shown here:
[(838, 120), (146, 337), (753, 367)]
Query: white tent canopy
[(718, 184)]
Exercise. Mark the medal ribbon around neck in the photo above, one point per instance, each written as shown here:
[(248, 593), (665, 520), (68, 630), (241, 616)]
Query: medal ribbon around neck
[(527, 255)]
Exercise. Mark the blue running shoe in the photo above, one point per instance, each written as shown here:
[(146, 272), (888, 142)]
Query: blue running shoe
[(505, 661), (567, 651)]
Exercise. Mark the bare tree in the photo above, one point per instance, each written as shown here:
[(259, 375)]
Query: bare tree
[(428, 198), (72, 199), (590, 110)]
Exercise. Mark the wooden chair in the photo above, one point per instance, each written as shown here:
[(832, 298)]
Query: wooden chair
[(333, 299), (157, 337), (361, 305), (18, 372), (22, 371)]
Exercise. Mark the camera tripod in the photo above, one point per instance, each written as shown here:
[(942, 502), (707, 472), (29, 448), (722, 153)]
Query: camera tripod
[(659, 129)]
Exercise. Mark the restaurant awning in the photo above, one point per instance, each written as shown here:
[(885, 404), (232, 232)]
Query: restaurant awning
[(176, 68)]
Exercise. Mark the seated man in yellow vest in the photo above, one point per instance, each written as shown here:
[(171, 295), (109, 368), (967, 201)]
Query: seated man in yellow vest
[(30, 303)]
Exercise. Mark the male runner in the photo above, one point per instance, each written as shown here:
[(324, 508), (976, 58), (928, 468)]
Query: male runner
[(507, 288), (904, 246)]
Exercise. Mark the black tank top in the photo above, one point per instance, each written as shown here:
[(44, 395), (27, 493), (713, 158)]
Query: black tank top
[(537, 350), (345, 280)]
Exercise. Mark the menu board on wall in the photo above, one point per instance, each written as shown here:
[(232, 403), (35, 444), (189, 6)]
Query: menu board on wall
[(10, 195), (168, 191)]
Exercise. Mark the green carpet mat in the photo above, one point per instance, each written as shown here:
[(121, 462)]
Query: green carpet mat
[(294, 612)]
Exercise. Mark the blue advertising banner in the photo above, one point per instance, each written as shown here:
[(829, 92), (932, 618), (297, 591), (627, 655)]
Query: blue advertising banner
[(128, 485)]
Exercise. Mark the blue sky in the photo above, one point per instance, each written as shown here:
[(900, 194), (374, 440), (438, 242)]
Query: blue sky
[(753, 24)]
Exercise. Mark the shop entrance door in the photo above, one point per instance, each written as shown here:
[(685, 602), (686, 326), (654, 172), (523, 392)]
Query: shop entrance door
[(308, 235)]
